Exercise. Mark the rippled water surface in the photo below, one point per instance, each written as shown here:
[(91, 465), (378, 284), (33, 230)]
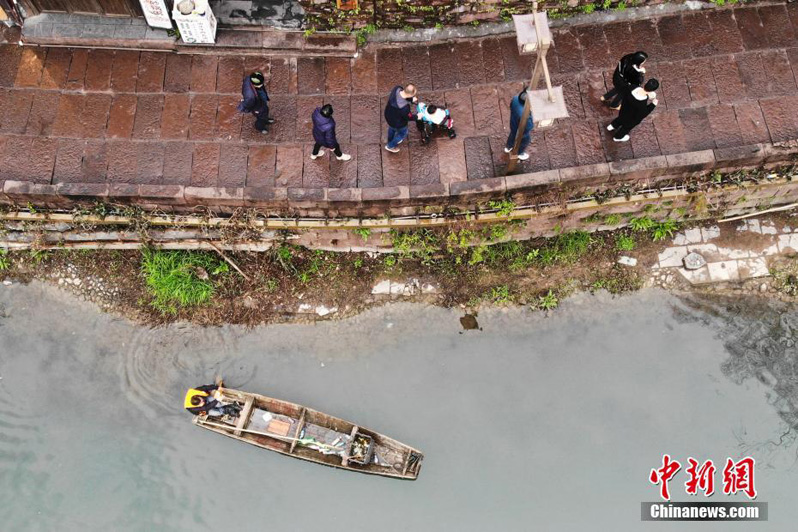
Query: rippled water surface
[(532, 422)]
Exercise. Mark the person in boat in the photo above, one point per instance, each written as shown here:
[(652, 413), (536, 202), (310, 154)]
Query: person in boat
[(203, 400)]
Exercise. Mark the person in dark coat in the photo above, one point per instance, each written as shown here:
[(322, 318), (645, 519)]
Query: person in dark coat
[(628, 75), (324, 133), (201, 401), (398, 112), (635, 106), (516, 110), (255, 100)]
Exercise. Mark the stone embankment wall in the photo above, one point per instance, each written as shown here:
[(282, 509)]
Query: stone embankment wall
[(689, 186), (537, 190), (324, 15)]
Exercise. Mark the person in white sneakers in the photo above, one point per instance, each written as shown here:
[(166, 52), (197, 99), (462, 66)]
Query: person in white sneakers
[(516, 110), (636, 105), (398, 112), (324, 134)]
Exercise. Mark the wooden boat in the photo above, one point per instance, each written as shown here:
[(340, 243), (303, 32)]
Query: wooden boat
[(301, 432)]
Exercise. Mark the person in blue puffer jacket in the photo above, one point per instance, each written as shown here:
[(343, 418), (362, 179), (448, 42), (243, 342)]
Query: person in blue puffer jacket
[(255, 100), (324, 134)]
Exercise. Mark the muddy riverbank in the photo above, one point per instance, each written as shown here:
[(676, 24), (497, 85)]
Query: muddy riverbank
[(292, 283)]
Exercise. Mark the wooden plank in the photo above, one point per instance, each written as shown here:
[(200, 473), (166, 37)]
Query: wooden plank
[(244, 416), (299, 427), (119, 8), (345, 459), (407, 463), (51, 6), (85, 7)]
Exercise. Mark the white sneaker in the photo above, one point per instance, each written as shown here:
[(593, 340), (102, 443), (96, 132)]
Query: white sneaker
[(507, 150), (344, 157), (320, 154), (625, 138), (610, 128), (523, 156), (392, 150)]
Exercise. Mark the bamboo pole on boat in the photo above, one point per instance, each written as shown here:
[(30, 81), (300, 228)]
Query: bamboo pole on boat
[(271, 435)]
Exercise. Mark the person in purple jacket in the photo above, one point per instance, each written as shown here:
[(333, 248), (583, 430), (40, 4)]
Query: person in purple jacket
[(255, 100), (324, 134)]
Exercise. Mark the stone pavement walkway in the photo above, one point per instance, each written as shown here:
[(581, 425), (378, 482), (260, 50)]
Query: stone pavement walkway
[(728, 78)]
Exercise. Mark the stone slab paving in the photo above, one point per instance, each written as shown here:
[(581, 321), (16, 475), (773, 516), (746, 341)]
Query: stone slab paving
[(724, 263), (728, 79)]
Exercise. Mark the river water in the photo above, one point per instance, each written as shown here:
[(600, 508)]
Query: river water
[(534, 422)]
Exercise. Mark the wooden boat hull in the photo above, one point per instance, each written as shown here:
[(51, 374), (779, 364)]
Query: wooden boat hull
[(307, 434)]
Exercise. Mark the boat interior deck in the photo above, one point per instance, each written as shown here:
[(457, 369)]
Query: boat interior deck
[(305, 433)]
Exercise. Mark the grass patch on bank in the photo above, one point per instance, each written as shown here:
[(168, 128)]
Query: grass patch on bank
[(180, 279), (468, 265)]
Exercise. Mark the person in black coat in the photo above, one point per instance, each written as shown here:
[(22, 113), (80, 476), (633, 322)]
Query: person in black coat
[(255, 100), (629, 74), (201, 401), (324, 133), (636, 105)]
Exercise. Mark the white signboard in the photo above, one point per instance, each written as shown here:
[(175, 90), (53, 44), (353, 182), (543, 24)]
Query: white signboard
[(156, 13), (198, 26)]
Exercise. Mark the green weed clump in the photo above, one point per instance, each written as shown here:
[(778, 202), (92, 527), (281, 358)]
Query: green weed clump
[(642, 224), (362, 35), (501, 294), (566, 248), (362, 232), (548, 301), (657, 230), (624, 243), (4, 262), (503, 207), (421, 244), (178, 279), (664, 229)]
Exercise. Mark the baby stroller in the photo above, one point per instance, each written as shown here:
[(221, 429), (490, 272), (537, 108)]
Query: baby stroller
[(431, 118)]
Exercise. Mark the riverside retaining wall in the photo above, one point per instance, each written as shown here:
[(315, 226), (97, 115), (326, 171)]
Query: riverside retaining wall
[(551, 187), (686, 186)]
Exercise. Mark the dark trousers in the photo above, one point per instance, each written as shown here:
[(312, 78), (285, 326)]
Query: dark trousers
[(336, 149), (613, 97), (619, 86), (620, 130), (262, 119)]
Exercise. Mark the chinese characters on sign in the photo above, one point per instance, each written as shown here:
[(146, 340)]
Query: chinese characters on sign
[(196, 21), (156, 13), (737, 476)]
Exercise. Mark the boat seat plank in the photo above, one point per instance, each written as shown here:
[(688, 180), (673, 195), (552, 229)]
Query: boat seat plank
[(243, 417), (298, 429), (345, 459), (406, 463)]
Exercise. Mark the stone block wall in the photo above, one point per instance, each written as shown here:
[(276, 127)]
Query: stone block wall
[(323, 15)]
